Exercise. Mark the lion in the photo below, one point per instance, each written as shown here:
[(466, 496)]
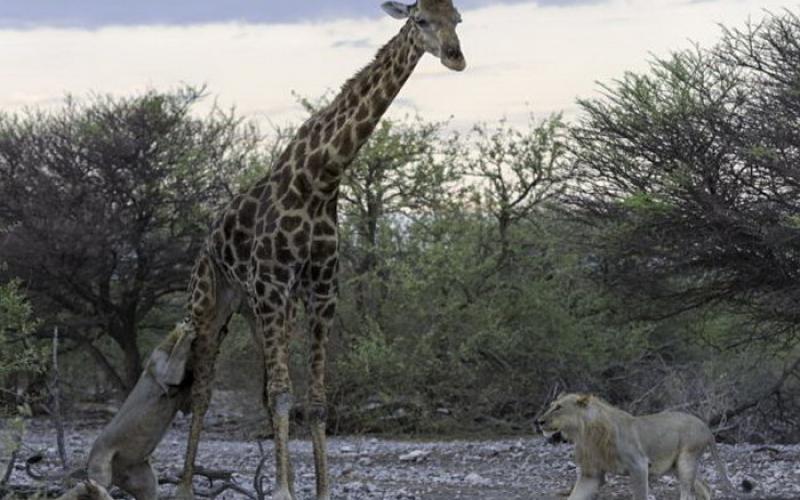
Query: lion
[(121, 453), (610, 440)]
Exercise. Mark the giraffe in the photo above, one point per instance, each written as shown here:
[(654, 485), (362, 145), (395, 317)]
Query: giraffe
[(277, 242)]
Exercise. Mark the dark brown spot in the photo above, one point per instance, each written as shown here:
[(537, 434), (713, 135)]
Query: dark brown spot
[(330, 209), (329, 131), (247, 213), (314, 164), (257, 190), (241, 241), (345, 140), (302, 132), (322, 288), (229, 258), (264, 251), (322, 248), (302, 252), (271, 216), (281, 274), (324, 228), (363, 130), (284, 255), (363, 112), (300, 153), (292, 201), (281, 241), (329, 311), (285, 181), (241, 271), (379, 105), (303, 185), (300, 239), (230, 223), (290, 223)]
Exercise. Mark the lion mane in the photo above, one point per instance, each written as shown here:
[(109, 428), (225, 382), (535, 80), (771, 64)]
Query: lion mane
[(595, 441)]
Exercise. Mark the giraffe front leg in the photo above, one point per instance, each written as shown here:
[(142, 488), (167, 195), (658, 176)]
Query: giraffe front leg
[(271, 310), (203, 376), (321, 310)]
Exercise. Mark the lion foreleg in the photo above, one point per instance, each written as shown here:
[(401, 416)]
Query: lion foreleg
[(586, 487), (639, 484)]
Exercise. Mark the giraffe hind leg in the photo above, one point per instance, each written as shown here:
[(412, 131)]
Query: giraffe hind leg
[(212, 303)]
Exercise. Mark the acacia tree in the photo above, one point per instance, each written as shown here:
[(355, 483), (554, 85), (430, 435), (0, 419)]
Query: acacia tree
[(398, 175), (692, 173), (105, 203), (515, 172)]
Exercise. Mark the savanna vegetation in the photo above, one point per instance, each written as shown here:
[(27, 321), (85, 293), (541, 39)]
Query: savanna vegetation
[(648, 250)]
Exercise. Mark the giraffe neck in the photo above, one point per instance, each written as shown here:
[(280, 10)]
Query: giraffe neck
[(329, 140)]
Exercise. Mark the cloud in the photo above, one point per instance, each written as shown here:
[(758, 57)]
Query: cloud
[(96, 14), (522, 57), (361, 43)]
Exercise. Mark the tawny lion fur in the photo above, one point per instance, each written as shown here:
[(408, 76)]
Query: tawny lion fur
[(121, 453), (610, 440)]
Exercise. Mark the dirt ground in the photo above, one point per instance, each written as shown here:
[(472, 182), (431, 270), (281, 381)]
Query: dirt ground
[(371, 468)]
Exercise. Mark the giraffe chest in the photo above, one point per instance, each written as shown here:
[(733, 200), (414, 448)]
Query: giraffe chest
[(294, 249), (265, 241)]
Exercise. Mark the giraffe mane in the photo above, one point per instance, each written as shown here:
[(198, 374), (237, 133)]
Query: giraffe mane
[(381, 54)]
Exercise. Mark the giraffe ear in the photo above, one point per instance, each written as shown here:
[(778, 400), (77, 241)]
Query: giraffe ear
[(397, 10)]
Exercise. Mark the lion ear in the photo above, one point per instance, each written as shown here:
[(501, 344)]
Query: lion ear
[(583, 400)]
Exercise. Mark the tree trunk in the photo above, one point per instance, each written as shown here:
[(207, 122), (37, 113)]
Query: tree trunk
[(105, 365), (125, 335)]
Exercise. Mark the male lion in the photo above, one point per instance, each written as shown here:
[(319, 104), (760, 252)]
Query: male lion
[(609, 440), (121, 453)]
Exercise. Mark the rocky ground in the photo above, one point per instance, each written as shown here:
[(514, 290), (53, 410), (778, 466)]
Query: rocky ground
[(371, 468)]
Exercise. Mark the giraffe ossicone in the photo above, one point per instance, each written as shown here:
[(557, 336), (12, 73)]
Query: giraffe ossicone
[(277, 241)]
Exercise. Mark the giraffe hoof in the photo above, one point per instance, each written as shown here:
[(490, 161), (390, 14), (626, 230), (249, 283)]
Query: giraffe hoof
[(282, 495), (184, 492)]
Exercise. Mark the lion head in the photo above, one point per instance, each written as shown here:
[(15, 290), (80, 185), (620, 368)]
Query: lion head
[(566, 415), (586, 421)]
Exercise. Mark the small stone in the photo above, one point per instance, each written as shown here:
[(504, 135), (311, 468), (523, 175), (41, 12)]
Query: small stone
[(414, 456), (475, 479)]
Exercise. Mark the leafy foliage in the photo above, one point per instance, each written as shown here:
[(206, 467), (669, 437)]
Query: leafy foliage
[(106, 203)]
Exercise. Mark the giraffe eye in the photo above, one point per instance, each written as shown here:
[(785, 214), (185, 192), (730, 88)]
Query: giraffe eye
[(422, 23)]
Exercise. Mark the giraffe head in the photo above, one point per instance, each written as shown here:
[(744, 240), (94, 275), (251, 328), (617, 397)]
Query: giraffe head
[(436, 22)]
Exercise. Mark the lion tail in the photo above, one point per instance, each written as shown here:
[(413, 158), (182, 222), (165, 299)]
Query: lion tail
[(722, 471)]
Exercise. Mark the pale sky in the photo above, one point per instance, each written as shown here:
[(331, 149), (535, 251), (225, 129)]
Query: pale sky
[(522, 56)]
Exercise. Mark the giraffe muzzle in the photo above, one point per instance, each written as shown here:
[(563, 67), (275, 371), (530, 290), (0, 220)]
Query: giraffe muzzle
[(453, 58)]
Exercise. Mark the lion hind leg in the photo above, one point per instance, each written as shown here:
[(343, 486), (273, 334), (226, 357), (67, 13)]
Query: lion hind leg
[(100, 468), (687, 475), (141, 482), (702, 490)]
